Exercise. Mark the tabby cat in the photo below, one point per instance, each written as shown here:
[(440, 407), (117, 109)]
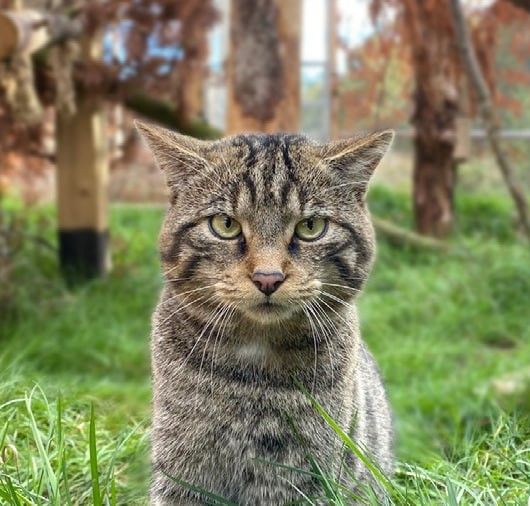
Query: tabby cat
[(265, 246)]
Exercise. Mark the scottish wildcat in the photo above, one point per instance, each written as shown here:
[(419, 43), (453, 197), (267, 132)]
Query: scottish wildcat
[(265, 245)]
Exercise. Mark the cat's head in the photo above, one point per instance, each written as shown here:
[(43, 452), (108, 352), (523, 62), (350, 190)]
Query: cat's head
[(272, 226)]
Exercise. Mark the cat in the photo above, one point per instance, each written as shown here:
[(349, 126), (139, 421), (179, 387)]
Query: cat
[(265, 246)]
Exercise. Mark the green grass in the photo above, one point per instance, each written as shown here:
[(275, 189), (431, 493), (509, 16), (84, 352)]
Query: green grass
[(445, 328)]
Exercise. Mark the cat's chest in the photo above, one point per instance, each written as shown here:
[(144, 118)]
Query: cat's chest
[(253, 353)]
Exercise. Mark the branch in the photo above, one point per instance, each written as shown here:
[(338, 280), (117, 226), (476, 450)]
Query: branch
[(401, 235), (488, 113)]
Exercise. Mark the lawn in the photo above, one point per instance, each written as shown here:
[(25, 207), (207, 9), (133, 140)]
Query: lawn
[(450, 331)]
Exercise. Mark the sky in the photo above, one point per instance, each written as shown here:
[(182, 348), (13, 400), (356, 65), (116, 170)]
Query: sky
[(354, 27)]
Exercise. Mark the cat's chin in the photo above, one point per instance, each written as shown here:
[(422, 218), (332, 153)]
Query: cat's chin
[(269, 313)]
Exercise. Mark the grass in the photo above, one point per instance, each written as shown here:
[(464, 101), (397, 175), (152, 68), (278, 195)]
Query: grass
[(450, 332)]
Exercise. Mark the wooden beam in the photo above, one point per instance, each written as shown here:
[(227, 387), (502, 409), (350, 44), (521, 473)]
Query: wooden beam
[(82, 184)]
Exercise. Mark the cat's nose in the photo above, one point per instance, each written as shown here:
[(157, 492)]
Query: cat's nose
[(267, 282)]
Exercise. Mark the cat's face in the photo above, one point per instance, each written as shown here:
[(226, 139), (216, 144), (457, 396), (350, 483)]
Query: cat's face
[(271, 227)]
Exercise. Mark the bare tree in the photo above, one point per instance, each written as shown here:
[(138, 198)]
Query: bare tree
[(488, 114)]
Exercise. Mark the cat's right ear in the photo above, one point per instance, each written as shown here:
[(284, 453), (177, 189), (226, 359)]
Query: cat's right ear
[(355, 159), (179, 156)]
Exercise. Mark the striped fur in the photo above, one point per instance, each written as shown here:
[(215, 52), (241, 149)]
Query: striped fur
[(226, 372)]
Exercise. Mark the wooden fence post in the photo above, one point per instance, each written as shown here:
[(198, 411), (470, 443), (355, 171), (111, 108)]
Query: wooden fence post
[(82, 163), (82, 184)]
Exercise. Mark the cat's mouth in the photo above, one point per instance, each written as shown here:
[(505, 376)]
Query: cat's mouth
[(269, 306), (269, 310)]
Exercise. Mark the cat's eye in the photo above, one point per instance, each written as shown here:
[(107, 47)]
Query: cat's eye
[(224, 227), (311, 229)]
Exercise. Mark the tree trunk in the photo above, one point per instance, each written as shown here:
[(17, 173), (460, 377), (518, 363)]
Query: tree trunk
[(434, 116), (193, 69), (191, 92), (264, 66), (434, 166)]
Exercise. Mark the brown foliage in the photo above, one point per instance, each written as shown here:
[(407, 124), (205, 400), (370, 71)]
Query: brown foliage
[(158, 43), (390, 54)]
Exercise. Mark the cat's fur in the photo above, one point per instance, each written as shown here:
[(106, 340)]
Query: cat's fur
[(228, 376)]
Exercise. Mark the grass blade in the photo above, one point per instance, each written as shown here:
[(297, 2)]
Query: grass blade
[(52, 482), (96, 493), (349, 443), (218, 500)]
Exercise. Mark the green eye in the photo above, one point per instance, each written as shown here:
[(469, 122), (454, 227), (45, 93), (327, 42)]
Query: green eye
[(311, 229), (224, 227)]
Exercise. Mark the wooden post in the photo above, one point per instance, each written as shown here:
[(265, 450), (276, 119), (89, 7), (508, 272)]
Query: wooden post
[(82, 166), (264, 66), (82, 181)]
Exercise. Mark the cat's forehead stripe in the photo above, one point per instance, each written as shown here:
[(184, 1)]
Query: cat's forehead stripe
[(270, 172)]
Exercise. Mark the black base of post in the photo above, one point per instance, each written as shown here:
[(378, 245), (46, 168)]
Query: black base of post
[(83, 253)]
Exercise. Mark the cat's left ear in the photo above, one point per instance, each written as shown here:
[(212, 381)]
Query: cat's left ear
[(179, 156), (355, 159)]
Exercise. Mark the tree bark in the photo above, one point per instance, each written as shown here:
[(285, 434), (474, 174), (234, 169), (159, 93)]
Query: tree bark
[(434, 116), (191, 92), (264, 66), (434, 174), (489, 115), (192, 70)]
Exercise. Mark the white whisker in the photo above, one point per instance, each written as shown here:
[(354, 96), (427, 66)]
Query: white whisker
[(315, 347), (208, 322), (180, 294), (337, 299), (344, 320), (218, 319), (220, 335), (356, 290), (328, 336)]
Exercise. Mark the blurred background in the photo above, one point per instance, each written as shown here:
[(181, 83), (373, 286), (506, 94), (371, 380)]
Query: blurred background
[(447, 309)]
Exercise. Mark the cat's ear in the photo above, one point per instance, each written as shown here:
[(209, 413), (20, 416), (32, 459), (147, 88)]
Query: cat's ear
[(179, 156), (355, 159)]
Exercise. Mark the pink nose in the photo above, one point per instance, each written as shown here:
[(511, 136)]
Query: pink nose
[(267, 282)]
